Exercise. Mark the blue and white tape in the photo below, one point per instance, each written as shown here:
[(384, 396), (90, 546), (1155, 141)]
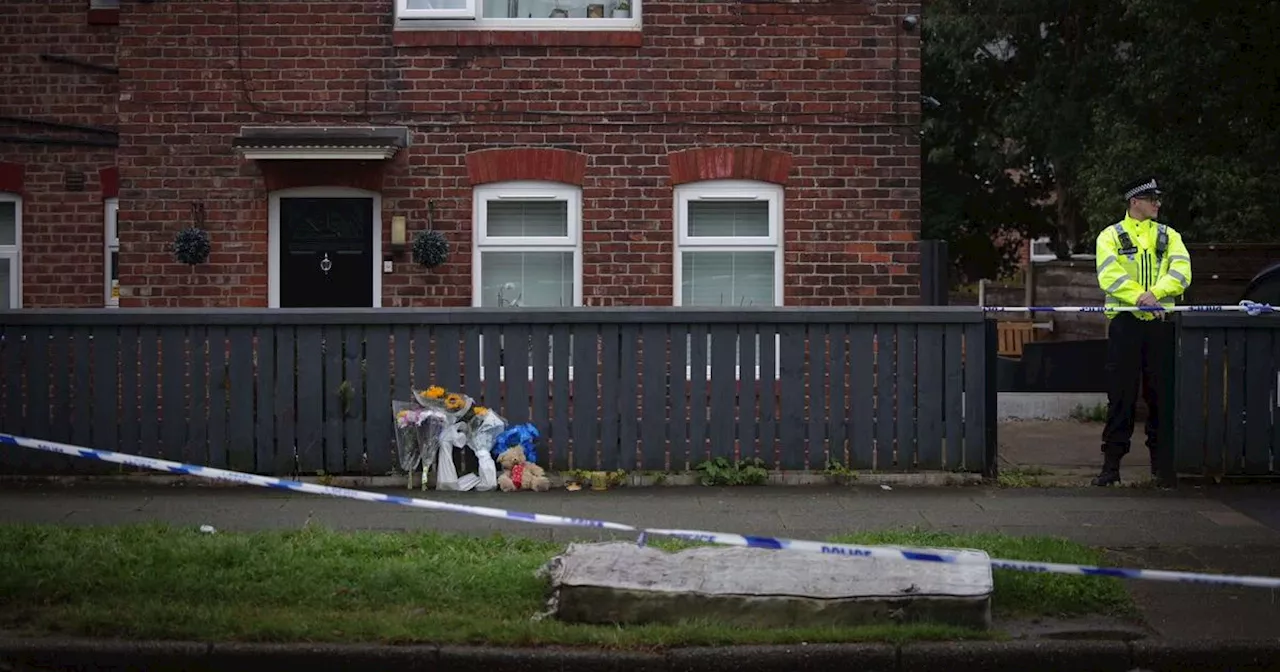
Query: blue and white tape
[(773, 543), (1249, 307), (298, 486)]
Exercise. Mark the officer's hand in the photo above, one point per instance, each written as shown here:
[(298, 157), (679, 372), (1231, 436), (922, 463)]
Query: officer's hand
[(1148, 299)]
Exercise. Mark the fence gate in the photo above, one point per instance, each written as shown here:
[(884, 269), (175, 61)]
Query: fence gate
[(1227, 377)]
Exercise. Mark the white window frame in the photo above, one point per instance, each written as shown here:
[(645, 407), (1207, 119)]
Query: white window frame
[(273, 234), (469, 18), (111, 243), (722, 190), (14, 252), (483, 242)]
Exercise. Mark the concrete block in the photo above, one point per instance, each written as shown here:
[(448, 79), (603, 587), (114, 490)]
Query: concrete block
[(624, 583)]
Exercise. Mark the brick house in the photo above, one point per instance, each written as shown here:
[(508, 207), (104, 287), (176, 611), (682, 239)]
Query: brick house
[(572, 152)]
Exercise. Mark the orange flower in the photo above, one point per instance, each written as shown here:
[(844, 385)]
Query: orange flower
[(435, 392), (454, 402)]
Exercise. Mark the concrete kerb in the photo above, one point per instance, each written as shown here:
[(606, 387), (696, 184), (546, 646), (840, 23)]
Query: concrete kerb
[(1153, 655)]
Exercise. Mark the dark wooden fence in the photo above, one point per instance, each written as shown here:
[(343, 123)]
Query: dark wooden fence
[(1228, 370), (301, 391)]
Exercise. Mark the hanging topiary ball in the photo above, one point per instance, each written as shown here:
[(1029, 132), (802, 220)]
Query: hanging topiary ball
[(191, 246), (430, 248)]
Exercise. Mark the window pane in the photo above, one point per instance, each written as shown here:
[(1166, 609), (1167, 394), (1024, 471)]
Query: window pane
[(8, 223), (553, 9), (113, 224), (530, 279), (6, 282), (115, 275), (727, 279), (437, 4), (511, 219), (728, 218)]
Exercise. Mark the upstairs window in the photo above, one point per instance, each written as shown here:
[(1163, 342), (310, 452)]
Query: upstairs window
[(520, 14)]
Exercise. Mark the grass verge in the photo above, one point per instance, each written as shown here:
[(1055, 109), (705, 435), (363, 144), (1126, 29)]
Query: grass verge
[(155, 581)]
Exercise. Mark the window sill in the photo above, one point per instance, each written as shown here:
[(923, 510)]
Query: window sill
[(447, 37), (104, 17)]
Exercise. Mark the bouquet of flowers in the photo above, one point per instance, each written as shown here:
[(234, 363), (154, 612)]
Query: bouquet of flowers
[(457, 421), (417, 437)]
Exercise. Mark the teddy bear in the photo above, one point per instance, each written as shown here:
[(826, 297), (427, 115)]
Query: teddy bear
[(520, 474)]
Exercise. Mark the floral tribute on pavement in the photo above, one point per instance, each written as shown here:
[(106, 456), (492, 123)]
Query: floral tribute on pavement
[(438, 422)]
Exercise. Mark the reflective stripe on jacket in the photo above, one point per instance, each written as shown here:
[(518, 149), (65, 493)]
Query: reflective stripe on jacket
[(1143, 262)]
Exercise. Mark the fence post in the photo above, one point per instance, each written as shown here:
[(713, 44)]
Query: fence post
[(1167, 427), (991, 390)]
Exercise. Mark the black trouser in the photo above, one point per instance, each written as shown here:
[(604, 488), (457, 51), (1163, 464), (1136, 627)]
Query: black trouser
[(1136, 351)]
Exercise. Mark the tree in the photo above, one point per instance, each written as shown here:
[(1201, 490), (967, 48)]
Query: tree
[(1037, 111), (1199, 107)]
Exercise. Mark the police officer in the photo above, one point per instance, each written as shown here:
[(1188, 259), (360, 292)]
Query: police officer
[(1140, 262)]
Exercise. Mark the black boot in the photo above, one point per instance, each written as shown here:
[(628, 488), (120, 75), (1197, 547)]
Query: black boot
[(1110, 472)]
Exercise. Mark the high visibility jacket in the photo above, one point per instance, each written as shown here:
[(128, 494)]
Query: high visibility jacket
[(1139, 256)]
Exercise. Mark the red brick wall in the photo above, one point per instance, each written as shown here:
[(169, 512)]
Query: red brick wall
[(62, 228), (834, 86)]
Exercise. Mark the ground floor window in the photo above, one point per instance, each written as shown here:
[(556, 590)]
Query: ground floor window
[(728, 244), (729, 247), (527, 253), (111, 256), (528, 250), (10, 251)]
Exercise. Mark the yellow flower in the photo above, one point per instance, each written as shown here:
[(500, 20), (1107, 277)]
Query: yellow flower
[(435, 392), (481, 410), (454, 402)]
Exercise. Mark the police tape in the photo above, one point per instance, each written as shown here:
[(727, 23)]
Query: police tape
[(1250, 307), (898, 553)]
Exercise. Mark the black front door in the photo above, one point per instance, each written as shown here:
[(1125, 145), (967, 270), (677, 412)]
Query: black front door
[(326, 252)]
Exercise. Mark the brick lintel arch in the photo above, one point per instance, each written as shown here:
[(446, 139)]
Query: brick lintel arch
[(729, 163), (526, 163), (11, 177)]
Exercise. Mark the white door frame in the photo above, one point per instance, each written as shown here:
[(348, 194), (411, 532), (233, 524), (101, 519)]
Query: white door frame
[(273, 235)]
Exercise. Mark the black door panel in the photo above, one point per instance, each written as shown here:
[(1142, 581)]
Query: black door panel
[(326, 252)]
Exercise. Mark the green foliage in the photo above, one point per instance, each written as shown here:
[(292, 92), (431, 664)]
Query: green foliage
[(1091, 413), (1037, 111), (720, 471), (837, 468)]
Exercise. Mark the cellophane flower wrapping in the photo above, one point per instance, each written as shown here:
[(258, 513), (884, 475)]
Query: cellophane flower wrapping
[(417, 436), (485, 428), (451, 437), (408, 447), (468, 416)]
